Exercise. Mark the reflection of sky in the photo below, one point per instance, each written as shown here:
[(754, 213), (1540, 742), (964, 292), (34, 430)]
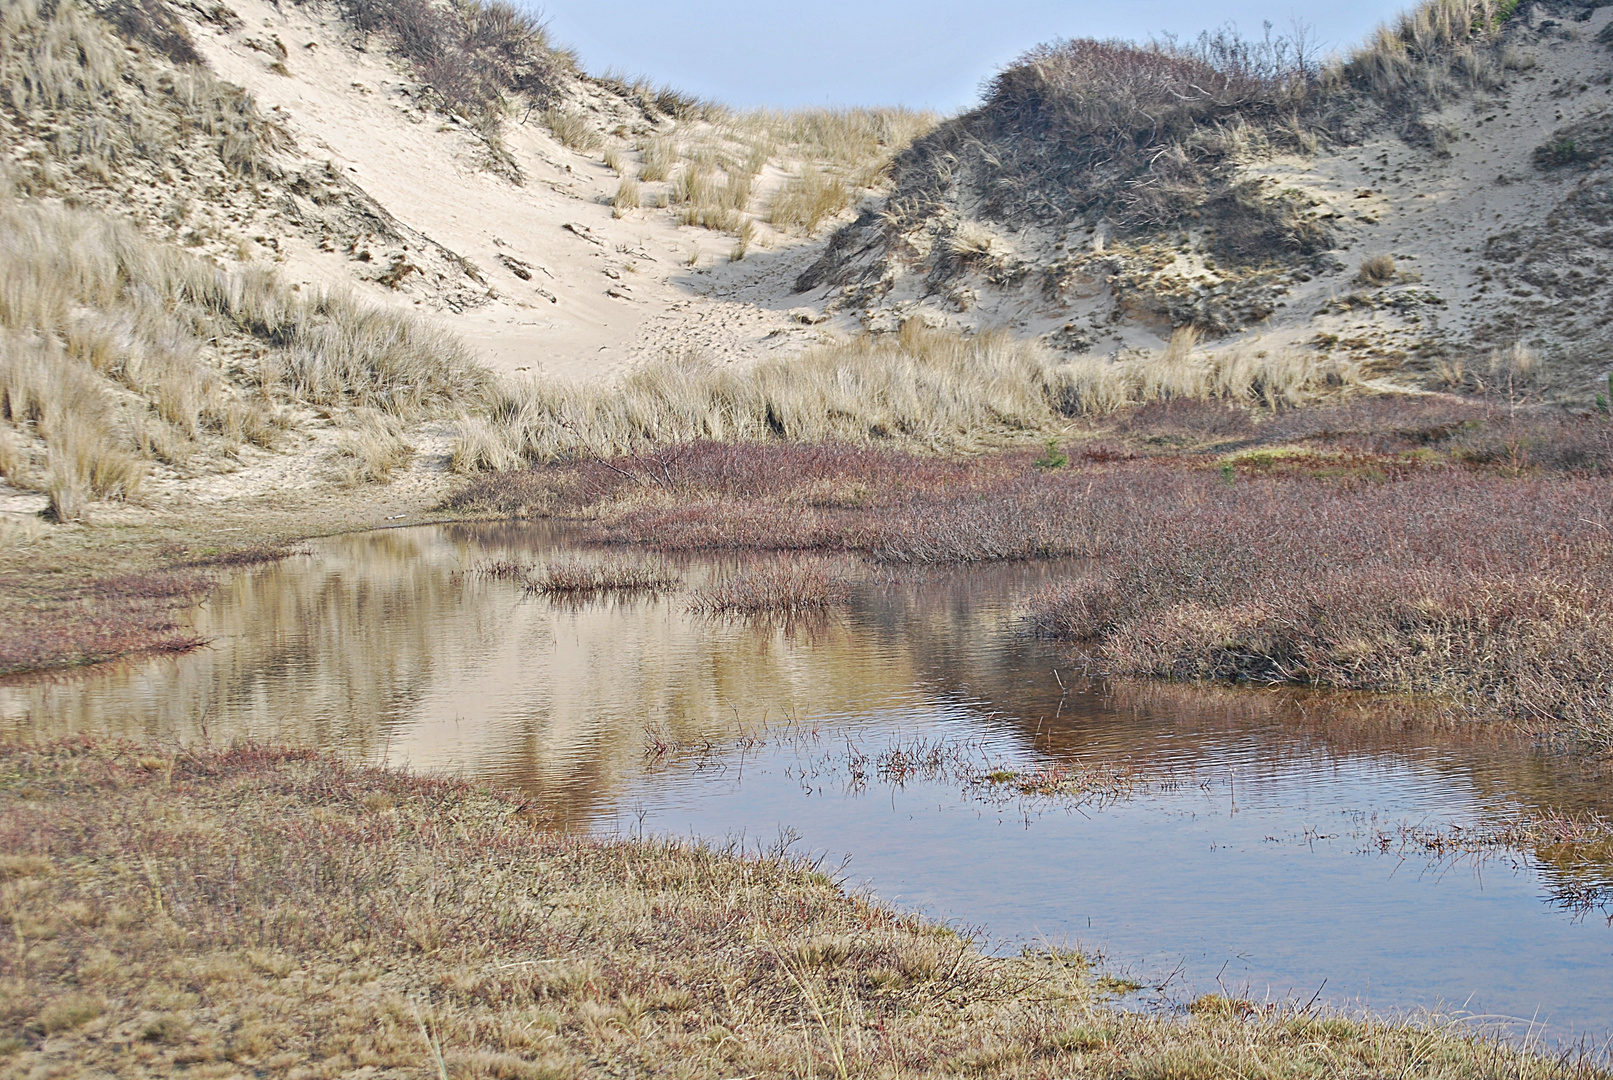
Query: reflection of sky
[(1273, 899), (382, 648)]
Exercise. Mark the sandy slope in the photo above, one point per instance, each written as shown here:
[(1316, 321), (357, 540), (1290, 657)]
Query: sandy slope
[(1491, 249), (593, 298)]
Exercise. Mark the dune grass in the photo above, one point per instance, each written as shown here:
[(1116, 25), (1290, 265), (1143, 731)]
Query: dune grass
[(285, 914), (1431, 50), (117, 351), (919, 387), (77, 84), (807, 200), (713, 161)]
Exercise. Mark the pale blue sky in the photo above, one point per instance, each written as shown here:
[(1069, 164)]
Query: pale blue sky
[(931, 53)]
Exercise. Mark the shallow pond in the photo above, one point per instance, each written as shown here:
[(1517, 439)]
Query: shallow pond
[(1257, 843)]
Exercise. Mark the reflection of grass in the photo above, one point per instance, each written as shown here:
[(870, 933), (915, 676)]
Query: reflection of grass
[(251, 909), (1574, 852)]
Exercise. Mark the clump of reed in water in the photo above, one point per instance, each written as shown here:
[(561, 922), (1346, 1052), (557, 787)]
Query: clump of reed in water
[(789, 589), (578, 577)]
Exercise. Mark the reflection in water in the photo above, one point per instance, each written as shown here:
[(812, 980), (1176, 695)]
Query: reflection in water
[(1243, 861)]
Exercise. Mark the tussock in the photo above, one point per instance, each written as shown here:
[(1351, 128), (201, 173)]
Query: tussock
[(628, 196), (1376, 270), (572, 129), (371, 450), (788, 589), (583, 578), (807, 200)]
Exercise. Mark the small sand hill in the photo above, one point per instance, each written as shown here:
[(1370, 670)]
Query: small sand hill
[(1408, 233), (550, 278)]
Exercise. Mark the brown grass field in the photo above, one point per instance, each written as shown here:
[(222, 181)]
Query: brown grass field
[(250, 912)]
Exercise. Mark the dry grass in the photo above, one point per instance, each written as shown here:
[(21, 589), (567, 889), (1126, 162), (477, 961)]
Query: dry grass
[(713, 163), (705, 200), (807, 200), (573, 129), (96, 108), (1431, 50), (65, 406), (793, 589), (657, 157), (1376, 270), (918, 387), (117, 351), (282, 913), (743, 238), (371, 450)]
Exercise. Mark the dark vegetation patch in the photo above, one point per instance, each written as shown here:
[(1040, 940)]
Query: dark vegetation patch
[(54, 625), (1487, 592), (1584, 142), (150, 22), (470, 53)]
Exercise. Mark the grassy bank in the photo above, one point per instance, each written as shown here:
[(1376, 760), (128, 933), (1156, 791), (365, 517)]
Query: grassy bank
[(83, 593), (1432, 548), (918, 388), (280, 914)]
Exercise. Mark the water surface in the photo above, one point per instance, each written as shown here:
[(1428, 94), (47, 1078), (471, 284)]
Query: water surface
[(1246, 855)]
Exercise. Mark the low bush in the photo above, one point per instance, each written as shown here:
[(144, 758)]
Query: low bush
[(578, 577), (470, 53), (110, 355)]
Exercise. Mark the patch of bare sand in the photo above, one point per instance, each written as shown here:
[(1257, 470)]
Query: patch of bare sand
[(570, 290)]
